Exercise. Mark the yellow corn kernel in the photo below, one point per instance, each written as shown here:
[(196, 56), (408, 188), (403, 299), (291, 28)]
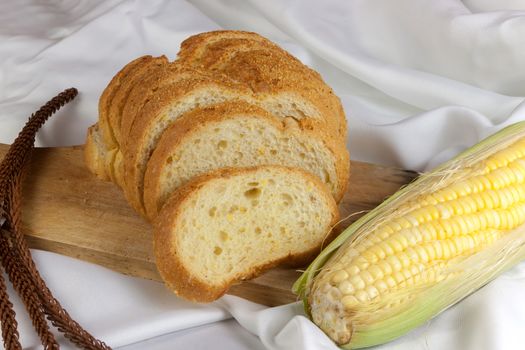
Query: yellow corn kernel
[(349, 301), (385, 267), (352, 270), (339, 276), (362, 296), (381, 286), (390, 281), (357, 282), (372, 291), (376, 272), (370, 257), (346, 287), (377, 251)]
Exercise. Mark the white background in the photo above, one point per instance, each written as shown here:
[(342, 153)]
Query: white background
[(420, 80)]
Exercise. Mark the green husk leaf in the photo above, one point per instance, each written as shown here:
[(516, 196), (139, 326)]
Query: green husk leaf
[(475, 272)]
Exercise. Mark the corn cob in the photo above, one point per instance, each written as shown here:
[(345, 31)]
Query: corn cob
[(425, 248)]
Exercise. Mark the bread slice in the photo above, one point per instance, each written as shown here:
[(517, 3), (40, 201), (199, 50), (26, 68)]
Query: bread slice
[(233, 224), (238, 134)]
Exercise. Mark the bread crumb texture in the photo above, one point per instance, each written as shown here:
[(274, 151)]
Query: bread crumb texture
[(230, 225)]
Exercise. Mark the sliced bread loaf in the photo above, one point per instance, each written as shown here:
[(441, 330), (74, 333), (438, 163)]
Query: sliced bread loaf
[(149, 94), (233, 224), (238, 134)]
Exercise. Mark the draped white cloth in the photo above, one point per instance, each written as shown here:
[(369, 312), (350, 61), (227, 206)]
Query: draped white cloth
[(420, 80)]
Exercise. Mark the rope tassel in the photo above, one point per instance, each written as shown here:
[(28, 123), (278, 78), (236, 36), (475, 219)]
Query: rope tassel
[(15, 255)]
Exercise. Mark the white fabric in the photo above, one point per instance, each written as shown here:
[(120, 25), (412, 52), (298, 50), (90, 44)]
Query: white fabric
[(420, 80)]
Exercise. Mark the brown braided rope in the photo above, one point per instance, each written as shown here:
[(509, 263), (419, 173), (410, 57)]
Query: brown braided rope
[(15, 255), (26, 291), (7, 319)]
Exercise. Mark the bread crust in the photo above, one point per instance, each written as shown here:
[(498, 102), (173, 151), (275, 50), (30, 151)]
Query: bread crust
[(120, 97), (193, 47), (269, 73), (265, 67), (173, 270), (143, 92), (108, 94), (197, 119), (212, 55)]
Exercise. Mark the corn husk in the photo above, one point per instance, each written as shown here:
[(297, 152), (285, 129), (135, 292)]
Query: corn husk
[(377, 324)]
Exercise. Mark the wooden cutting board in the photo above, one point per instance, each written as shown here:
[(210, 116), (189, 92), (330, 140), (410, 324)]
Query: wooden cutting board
[(67, 210)]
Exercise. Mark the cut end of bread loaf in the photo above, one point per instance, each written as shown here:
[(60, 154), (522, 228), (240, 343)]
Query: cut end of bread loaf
[(95, 153), (233, 224)]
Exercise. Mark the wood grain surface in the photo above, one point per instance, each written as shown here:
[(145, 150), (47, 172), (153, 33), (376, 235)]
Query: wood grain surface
[(67, 210)]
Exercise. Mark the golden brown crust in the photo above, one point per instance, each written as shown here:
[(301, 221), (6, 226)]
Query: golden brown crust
[(218, 52), (98, 159), (118, 169), (174, 271), (269, 73), (266, 68), (191, 122), (143, 92), (133, 78), (193, 47), (107, 97)]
